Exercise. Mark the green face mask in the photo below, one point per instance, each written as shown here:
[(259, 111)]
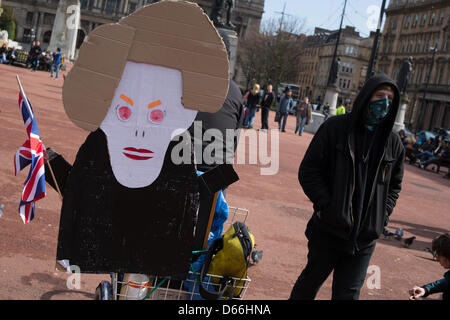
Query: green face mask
[(377, 111)]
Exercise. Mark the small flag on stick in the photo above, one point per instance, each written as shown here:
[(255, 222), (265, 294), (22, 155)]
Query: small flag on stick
[(31, 152)]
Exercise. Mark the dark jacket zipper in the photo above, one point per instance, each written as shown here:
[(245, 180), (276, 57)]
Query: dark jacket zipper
[(373, 188), (353, 187)]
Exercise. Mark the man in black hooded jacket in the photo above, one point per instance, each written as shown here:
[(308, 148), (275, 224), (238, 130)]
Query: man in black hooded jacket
[(352, 172)]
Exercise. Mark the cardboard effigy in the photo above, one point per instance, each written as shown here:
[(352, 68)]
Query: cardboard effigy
[(136, 85)]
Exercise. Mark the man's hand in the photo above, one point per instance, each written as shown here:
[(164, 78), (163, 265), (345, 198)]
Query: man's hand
[(416, 292)]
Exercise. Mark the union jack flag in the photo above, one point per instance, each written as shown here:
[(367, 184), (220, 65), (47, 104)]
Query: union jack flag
[(31, 152)]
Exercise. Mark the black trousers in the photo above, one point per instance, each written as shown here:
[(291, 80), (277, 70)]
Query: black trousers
[(348, 277), (264, 118)]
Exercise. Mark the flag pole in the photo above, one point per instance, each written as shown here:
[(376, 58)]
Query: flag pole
[(48, 162), (23, 92)]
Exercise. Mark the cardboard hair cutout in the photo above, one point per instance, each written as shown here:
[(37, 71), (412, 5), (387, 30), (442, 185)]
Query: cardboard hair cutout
[(172, 34)]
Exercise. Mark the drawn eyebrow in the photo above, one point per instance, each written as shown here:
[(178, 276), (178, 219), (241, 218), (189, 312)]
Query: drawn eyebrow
[(154, 104), (126, 99)]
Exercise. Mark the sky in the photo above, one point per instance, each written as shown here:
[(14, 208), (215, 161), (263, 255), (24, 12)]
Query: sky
[(362, 14)]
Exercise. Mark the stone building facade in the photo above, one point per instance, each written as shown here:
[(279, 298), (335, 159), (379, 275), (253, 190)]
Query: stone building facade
[(354, 54), (35, 18), (411, 29)]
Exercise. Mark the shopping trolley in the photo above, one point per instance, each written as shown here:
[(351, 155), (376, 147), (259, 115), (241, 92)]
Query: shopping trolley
[(171, 288)]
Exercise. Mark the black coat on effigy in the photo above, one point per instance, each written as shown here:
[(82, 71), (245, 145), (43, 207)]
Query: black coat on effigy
[(107, 227)]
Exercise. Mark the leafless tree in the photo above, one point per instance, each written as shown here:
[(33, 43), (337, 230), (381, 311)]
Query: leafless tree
[(273, 54)]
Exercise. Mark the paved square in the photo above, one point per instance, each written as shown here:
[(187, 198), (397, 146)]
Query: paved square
[(279, 211)]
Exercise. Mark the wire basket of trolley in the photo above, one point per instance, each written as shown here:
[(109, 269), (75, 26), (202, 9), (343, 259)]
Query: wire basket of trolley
[(224, 249)]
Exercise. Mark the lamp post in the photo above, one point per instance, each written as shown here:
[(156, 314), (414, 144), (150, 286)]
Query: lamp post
[(373, 55), (422, 108)]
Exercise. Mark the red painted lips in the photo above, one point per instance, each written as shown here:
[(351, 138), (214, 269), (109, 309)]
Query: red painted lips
[(137, 154)]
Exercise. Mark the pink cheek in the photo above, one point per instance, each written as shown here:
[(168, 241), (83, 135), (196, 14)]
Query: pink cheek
[(124, 113), (157, 116)]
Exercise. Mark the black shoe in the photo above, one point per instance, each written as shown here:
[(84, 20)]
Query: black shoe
[(283, 130)]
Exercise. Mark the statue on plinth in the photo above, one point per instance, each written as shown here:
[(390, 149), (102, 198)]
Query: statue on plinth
[(402, 79), (217, 13), (334, 72)]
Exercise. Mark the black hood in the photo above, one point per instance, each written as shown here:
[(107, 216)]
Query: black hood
[(360, 106)]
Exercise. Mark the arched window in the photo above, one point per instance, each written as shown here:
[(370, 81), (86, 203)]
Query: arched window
[(47, 36), (424, 19), (80, 38)]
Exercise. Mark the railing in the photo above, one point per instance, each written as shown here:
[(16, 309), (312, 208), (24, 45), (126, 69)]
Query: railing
[(438, 88), (395, 4)]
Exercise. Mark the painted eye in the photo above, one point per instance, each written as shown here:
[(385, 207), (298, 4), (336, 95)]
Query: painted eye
[(123, 113), (156, 116)]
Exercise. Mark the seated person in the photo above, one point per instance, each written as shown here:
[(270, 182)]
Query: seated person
[(427, 157), (3, 51), (12, 56), (419, 148), (402, 136)]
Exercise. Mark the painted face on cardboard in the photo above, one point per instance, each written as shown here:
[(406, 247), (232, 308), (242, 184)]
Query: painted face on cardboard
[(145, 114)]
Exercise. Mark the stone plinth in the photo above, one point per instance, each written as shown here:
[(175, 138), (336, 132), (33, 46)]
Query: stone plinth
[(232, 35), (400, 119), (331, 96), (318, 118), (65, 28)]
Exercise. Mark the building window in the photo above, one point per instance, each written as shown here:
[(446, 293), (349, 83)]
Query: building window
[(445, 46), (441, 17), (418, 45), (419, 76), (432, 17), (424, 19), (83, 4), (26, 35), (439, 76), (110, 6), (416, 20), (393, 23), (410, 46), (47, 36), (408, 21), (49, 18), (132, 7), (29, 19), (427, 45), (402, 47), (436, 42)]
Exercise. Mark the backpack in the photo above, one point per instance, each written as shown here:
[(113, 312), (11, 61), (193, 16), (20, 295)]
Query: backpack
[(228, 257)]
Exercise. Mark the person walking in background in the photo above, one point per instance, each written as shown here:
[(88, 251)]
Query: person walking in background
[(352, 172), (286, 103), (326, 110), (35, 53), (30, 54), (440, 246), (340, 110), (56, 65), (253, 98), (304, 115), (3, 51), (266, 103)]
